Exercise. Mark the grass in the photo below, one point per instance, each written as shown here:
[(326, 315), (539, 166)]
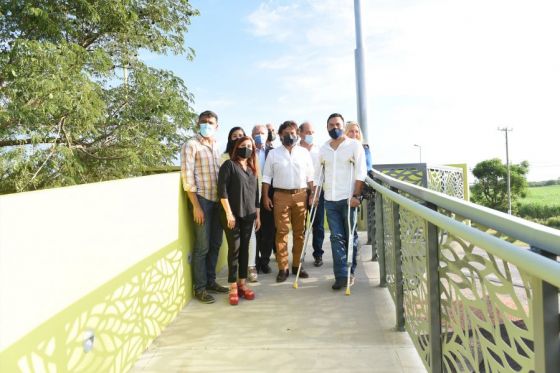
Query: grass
[(545, 195)]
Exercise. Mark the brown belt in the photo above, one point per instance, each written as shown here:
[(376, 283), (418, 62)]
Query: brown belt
[(291, 191)]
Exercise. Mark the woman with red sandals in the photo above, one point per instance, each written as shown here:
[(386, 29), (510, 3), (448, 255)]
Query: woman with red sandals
[(239, 196)]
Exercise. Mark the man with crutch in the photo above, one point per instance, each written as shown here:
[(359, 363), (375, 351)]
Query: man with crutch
[(344, 175)]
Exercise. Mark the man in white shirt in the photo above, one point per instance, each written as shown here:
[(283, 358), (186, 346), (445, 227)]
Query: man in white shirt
[(306, 133), (291, 168), (345, 172)]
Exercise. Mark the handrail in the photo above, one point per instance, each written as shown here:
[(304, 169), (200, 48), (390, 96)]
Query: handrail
[(537, 235), (530, 262)]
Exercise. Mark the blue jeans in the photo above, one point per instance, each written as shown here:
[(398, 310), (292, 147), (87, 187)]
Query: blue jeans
[(337, 218), (207, 242), (319, 228)]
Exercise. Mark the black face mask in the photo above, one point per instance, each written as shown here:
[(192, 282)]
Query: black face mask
[(244, 152), (335, 133), (271, 136), (289, 140)]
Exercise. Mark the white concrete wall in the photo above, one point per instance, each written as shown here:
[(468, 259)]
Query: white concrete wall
[(58, 245)]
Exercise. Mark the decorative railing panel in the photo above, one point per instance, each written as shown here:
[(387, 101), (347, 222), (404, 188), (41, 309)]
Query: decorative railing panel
[(472, 296), (485, 311), (388, 239), (413, 246)]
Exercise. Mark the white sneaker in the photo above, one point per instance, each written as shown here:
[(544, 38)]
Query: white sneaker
[(252, 274)]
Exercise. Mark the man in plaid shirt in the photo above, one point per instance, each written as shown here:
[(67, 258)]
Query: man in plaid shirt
[(200, 162)]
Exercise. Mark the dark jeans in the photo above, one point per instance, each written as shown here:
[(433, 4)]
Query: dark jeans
[(265, 237), (337, 218), (319, 228), (207, 242), (238, 245)]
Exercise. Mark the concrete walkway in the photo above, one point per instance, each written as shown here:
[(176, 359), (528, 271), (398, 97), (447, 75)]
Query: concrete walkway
[(309, 329)]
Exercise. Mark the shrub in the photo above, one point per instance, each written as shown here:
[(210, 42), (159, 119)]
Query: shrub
[(538, 210), (553, 222)]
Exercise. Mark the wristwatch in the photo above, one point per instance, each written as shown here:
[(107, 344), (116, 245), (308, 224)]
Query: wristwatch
[(358, 197)]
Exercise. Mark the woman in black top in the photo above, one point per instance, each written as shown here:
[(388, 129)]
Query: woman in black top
[(239, 196)]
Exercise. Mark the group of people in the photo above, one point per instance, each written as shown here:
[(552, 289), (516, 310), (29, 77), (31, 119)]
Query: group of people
[(255, 192)]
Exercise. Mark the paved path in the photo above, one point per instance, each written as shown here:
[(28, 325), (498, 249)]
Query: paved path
[(309, 329)]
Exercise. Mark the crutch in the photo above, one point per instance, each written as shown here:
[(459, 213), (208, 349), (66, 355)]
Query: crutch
[(351, 228), (310, 220)]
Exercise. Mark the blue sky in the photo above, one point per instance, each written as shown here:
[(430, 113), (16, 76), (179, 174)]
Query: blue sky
[(441, 74)]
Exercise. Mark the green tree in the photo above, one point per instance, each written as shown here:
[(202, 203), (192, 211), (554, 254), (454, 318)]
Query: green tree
[(490, 187), (77, 104)]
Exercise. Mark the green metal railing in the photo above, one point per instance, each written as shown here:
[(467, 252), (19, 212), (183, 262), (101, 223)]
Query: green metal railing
[(466, 288)]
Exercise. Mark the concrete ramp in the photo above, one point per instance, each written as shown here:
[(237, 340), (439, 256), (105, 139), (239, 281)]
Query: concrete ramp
[(309, 329)]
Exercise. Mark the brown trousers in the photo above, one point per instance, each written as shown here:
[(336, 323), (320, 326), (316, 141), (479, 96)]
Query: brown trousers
[(289, 209)]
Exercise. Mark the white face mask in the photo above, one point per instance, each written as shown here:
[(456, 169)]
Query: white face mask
[(309, 139), (260, 139), (206, 130)]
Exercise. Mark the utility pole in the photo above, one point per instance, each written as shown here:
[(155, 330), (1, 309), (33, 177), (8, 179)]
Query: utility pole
[(359, 56), (419, 148), (506, 130)]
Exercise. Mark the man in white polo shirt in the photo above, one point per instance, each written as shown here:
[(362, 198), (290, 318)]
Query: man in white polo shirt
[(291, 168), (345, 172)]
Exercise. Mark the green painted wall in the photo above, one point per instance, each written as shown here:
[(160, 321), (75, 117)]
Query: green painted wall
[(126, 314)]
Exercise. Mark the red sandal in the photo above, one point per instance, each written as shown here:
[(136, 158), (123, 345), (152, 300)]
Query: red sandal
[(245, 292), (233, 296)]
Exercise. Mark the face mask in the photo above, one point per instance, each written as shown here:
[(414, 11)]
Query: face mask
[(335, 133), (289, 140), (271, 136), (259, 139), (206, 130), (309, 139), (244, 152)]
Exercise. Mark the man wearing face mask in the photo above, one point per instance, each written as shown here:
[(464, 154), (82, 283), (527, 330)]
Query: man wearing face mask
[(265, 236), (200, 163), (291, 168), (271, 135), (307, 141), (345, 172)]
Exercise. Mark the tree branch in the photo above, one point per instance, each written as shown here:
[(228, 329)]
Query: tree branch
[(28, 141)]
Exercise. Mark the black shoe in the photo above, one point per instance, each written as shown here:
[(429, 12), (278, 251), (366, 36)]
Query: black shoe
[(217, 288), (265, 268), (302, 273), (204, 297), (339, 283), (282, 275), (318, 261)]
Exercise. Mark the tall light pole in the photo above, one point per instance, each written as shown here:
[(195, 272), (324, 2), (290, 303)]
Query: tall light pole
[(360, 65), (420, 149), (506, 130)]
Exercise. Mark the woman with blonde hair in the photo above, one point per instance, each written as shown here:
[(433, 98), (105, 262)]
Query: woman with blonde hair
[(354, 131)]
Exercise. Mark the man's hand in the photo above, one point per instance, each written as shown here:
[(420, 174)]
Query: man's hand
[(267, 203), (257, 224), (310, 202), (230, 221), (354, 202), (198, 215)]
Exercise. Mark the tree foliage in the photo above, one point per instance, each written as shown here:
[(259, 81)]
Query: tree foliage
[(77, 104), (490, 187)]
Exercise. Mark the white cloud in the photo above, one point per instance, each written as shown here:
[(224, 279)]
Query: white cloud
[(442, 73)]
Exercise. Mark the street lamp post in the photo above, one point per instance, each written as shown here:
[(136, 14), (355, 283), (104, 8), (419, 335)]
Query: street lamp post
[(506, 130), (420, 150), (360, 66)]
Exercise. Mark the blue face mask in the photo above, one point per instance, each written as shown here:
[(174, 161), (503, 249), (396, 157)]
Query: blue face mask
[(309, 139), (259, 139), (206, 130), (335, 133)]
